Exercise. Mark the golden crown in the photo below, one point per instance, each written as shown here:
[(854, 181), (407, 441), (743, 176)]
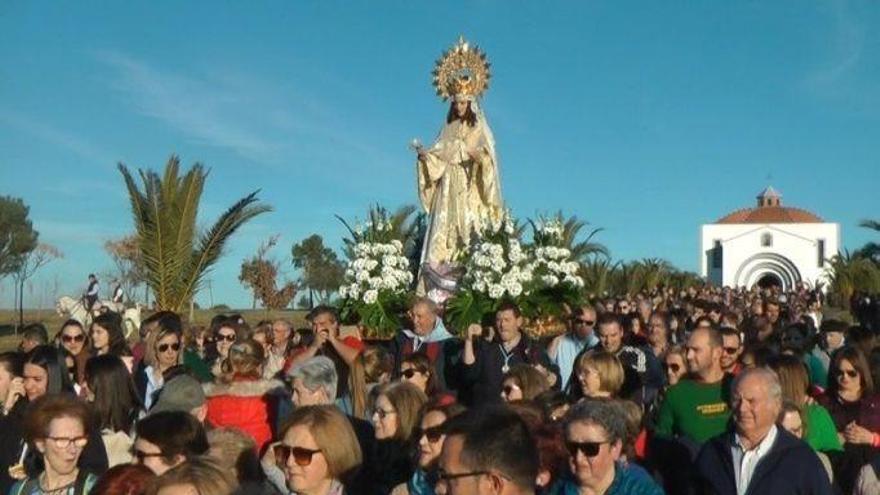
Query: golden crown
[(462, 71)]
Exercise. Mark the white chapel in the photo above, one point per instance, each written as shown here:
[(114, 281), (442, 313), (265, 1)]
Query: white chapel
[(768, 245)]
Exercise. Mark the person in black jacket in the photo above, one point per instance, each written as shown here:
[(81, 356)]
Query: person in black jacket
[(484, 363), (757, 457), (429, 337)]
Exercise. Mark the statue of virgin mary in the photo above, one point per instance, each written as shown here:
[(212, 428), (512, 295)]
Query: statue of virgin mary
[(458, 179)]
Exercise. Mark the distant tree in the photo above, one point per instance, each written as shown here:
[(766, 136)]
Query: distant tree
[(260, 274), (176, 255), (871, 250), (37, 258), (129, 262), (17, 234), (320, 267)]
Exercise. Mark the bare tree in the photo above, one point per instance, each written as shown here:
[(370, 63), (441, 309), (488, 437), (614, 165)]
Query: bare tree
[(39, 257)]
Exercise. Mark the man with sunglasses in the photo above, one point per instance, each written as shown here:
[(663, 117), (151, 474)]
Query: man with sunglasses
[(731, 344), (488, 450), (580, 337), (167, 439), (430, 337), (594, 435)]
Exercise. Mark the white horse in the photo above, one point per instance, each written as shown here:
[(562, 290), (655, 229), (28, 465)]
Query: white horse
[(74, 308)]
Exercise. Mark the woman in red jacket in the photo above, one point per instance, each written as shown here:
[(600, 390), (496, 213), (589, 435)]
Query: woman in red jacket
[(240, 398)]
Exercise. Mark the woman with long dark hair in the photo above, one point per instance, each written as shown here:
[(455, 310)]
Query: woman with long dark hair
[(107, 336), (110, 390)]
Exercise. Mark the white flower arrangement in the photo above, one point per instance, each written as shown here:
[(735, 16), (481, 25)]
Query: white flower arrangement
[(377, 266), (551, 261), (497, 265)]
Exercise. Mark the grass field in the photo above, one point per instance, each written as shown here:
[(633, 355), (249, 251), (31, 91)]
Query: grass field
[(48, 317)]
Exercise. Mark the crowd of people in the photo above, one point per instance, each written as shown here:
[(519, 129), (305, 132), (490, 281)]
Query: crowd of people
[(706, 390)]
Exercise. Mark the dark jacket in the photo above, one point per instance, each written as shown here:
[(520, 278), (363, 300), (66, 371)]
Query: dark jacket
[(444, 353), (486, 374), (790, 467)]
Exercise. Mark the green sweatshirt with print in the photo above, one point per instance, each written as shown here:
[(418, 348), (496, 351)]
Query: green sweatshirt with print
[(698, 411)]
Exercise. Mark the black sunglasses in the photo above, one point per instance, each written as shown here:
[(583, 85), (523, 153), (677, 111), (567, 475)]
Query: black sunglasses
[(411, 372), (849, 373), (227, 338), (588, 449), (433, 433), (730, 350), (301, 456), (73, 338), (140, 455), (164, 347), (578, 321), (674, 367)]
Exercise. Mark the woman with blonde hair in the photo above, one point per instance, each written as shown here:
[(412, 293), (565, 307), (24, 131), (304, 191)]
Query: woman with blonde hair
[(201, 475), (162, 351), (371, 368), (240, 397), (600, 375), (319, 452), (395, 419), (523, 382)]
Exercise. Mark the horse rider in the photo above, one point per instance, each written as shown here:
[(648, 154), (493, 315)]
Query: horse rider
[(90, 297)]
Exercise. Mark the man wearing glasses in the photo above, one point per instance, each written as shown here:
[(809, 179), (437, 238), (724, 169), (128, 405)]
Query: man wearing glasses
[(488, 450), (594, 433), (732, 346), (580, 337)]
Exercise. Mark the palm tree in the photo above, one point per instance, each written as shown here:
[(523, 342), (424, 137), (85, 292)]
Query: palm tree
[(176, 255), (849, 273), (597, 274), (870, 250)]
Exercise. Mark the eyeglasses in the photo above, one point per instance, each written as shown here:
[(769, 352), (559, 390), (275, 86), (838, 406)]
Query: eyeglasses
[(64, 442), (588, 449), (382, 413), (849, 373), (674, 367), (730, 350), (586, 323), (140, 455), (301, 455), (445, 477), (433, 433), (164, 347), (73, 338), (411, 372), (228, 338)]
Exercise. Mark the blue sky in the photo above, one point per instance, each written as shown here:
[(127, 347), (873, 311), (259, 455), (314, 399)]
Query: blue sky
[(645, 118)]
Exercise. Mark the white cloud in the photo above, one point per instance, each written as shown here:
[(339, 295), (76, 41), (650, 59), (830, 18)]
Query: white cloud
[(62, 138)]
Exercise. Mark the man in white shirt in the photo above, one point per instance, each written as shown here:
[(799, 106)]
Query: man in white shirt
[(758, 457)]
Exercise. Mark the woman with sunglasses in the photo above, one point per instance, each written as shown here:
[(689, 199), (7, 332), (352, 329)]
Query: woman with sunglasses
[(855, 409), (430, 439), (73, 338), (395, 419), (57, 426), (240, 397), (111, 392), (319, 452), (162, 352), (225, 331), (417, 369), (523, 382)]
